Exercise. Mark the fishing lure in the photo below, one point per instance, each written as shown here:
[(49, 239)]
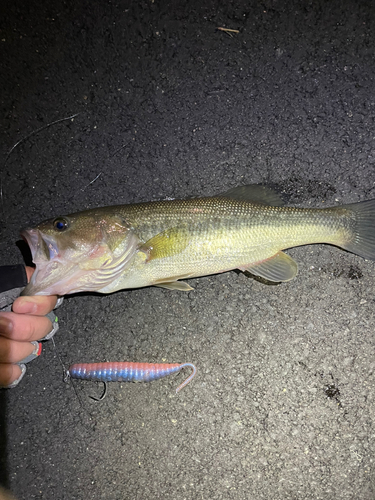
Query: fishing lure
[(128, 372)]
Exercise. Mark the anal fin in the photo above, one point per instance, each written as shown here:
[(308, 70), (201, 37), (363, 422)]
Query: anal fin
[(171, 283), (176, 285), (280, 267)]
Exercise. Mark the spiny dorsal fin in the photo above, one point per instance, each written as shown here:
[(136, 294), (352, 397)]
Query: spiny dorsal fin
[(254, 193)]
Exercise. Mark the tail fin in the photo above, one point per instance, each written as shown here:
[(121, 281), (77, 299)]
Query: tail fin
[(363, 242)]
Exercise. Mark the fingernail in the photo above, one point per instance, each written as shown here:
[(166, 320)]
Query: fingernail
[(55, 325), (6, 326), (18, 380), (34, 354), (59, 302), (27, 306)]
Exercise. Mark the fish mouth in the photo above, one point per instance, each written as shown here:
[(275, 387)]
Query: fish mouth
[(45, 255), (43, 248)]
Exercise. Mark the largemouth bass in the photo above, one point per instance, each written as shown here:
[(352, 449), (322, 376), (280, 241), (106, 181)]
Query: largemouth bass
[(159, 243)]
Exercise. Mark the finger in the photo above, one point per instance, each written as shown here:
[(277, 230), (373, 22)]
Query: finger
[(5, 495), (10, 374), (38, 305), (24, 327), (12, 351)]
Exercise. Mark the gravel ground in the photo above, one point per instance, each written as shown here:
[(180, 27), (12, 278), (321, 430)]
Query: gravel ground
[(282, 406)]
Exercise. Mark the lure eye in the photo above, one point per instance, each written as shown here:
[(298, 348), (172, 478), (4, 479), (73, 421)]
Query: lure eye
[(61, 224)]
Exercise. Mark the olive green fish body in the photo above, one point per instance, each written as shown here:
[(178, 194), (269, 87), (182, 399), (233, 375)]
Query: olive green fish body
[(158, 243), (212, 235)]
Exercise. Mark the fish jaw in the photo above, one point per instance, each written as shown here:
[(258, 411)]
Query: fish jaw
[(53, 279)]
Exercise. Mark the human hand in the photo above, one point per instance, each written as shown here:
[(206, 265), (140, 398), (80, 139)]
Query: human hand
[(19, 332)]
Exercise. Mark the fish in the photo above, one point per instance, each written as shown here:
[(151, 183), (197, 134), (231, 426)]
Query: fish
[(160, 243)]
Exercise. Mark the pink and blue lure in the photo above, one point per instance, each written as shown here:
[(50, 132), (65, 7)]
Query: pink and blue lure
[(128, 372)]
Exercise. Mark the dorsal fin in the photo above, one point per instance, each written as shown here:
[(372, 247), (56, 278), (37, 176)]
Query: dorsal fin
[(254, 193)]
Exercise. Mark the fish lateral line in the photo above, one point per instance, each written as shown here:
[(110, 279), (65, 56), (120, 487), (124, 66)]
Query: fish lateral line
[(128, 372)]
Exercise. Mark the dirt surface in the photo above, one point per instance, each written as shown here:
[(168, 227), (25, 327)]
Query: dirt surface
[(282, 406)]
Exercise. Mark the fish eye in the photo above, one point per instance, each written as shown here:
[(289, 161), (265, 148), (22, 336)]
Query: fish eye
[(61, 224)]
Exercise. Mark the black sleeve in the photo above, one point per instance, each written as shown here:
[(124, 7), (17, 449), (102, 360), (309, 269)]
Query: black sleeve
[(12, 277)]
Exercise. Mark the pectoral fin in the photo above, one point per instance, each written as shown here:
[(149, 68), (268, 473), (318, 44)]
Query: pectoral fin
[(280, 267), (166, 244)]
